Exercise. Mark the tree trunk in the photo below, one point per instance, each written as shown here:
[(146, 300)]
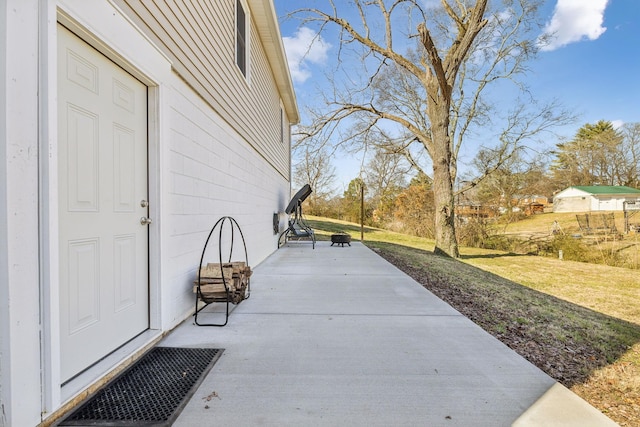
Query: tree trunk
[(446, 243)]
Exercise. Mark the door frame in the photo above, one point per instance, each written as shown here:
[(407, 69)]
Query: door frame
[(53, 394)]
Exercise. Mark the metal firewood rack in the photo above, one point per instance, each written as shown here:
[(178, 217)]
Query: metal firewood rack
[(231, 294)]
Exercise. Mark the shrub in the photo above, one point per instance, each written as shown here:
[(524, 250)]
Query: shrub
[(573, 249), (576, 249), (472, 232), (478, 233)]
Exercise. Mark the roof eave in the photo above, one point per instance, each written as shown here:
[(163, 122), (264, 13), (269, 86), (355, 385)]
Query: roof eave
[(264, 15)]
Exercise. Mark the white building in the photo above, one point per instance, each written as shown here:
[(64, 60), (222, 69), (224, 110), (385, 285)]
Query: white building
[(594, 198), (114, 112)]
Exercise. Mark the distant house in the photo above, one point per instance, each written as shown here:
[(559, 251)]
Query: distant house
[(477, 210), (524, 200), (529, 204), (128, 128), (596, 198)]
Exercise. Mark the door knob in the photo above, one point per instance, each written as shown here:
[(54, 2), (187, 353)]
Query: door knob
[(145, 221)]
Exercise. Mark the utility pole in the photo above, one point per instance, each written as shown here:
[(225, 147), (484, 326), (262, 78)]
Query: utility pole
[(361, 211)]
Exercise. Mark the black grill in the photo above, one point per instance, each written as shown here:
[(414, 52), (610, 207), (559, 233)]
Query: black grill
[(152, 392)]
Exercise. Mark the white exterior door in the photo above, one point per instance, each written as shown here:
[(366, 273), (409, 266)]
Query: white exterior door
[(102, 159)]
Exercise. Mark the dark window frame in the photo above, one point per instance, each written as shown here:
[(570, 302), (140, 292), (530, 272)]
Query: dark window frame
[(241, 38), (281, 124)]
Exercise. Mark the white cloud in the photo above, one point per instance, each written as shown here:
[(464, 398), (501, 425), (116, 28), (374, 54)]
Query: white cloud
[(304, 48), (617, 124), (573, 21)]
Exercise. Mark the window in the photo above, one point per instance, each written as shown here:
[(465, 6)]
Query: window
[(281, 125), (241, 38)]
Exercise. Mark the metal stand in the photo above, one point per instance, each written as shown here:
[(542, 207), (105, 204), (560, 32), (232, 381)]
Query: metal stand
[(232, 226), (298, 228)]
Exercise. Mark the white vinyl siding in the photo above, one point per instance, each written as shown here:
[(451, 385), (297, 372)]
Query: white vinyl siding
[(200, 39)]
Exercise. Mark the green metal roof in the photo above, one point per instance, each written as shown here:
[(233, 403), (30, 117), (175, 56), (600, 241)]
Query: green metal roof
[(607, 189)]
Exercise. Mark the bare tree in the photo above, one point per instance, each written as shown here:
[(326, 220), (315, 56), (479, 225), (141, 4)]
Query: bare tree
[(514, 180), (414, 207), (423, 83), (385, 178), (631, 151), (314, 168)]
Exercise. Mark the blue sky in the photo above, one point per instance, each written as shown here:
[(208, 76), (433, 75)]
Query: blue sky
[(592, 67)]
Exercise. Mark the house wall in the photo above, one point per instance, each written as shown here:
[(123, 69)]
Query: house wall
[(571, 192), (199, 38), (211, 175), (201, 167), (572, 204), (589, 203), (608, 203), (577, 200), (19, 266)]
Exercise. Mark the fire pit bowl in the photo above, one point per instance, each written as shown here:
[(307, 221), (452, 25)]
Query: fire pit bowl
[(341, 239)]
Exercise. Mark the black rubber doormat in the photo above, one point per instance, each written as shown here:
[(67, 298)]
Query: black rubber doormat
[(152, 392)]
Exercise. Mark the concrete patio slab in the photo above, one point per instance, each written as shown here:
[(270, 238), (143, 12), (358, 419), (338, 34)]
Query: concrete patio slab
[(337, 336)]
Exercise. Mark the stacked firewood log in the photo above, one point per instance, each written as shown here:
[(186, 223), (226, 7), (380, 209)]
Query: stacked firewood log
[(219, 284)]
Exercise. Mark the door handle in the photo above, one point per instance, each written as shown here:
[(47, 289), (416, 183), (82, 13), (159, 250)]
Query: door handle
[(145, 221)]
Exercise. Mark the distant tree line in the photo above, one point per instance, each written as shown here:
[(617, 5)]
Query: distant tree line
[(397, 197), (599, 154)]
